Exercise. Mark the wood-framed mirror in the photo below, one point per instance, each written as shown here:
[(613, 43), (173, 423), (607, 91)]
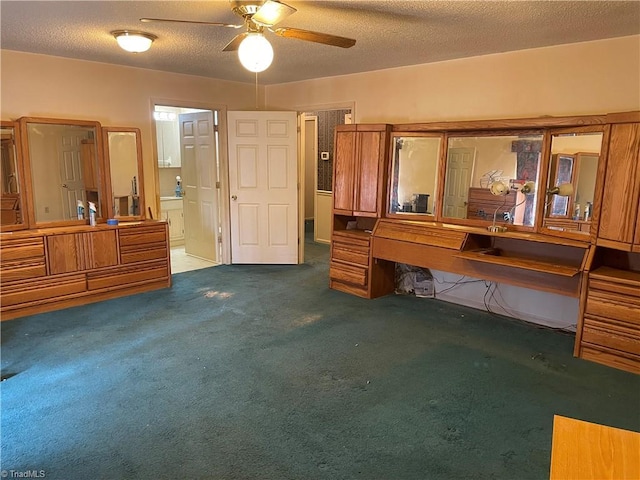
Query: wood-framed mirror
[(62, 167), (12, 201), (492, 178), (124, 175), (413, 175), (572, 198)]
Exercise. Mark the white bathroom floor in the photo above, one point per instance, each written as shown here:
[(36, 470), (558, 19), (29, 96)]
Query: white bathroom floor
[(181, 262)]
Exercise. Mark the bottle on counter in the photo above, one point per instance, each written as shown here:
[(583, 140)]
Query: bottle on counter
[(576, 211), (587, 211)]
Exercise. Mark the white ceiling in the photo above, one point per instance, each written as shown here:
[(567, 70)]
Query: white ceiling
[(388, 33)]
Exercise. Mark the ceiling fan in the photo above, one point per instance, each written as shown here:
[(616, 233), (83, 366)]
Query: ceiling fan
[(259, 15)]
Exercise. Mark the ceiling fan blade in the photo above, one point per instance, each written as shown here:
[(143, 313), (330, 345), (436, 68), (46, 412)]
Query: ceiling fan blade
[(215, 24), (272, 12), (235, 43), (317, 37)]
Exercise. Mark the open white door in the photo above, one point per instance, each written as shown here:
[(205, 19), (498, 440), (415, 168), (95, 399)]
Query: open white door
[(199, 177), (263, 186)]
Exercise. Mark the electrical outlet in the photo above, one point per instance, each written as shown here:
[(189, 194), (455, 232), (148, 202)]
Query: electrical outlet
[(46, 209)]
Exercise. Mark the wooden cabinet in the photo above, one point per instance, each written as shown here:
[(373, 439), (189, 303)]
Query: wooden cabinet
[(359, 169), (620, 205), (482, 205), (352, 270), (610, 328), (171, 211), (71, 252), (359, 173), (62, 267)]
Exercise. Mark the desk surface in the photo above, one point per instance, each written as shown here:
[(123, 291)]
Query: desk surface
[(582, 451)]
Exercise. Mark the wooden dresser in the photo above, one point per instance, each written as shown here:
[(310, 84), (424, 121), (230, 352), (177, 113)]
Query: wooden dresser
[(49, 269), (482, 205)]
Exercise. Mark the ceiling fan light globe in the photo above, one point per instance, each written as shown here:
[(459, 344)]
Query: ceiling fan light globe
[(255, 53)]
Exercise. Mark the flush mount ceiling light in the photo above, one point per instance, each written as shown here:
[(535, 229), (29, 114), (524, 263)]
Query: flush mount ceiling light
[(255, 52), (134, 41)]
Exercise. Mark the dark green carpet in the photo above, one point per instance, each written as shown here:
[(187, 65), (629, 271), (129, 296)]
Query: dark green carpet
[(263, 372)]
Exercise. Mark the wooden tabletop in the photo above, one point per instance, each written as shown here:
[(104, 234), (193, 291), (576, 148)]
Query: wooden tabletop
[(583, 451)]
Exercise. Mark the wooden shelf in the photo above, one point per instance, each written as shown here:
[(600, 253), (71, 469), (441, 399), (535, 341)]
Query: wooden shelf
[(494, 256)]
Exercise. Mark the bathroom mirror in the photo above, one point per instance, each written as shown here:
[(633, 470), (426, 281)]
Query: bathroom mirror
[(12, 210), (492, 177), (414, 174), (573, 169), (62, 168), (123, 154)]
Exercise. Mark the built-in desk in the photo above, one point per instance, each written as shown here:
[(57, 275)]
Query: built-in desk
[(528, 260)]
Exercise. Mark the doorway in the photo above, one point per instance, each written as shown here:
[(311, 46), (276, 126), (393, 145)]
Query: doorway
[(188, 155), (317, 166)]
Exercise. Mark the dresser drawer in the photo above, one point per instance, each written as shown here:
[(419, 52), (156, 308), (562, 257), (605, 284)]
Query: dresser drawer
[(612, 334), (22, 270), (350, 253), (348, 273), (632, 291), (43, 289), (351, 240), (614, 306), (142, 235), (126, 276), (610, 357), (20, 249)]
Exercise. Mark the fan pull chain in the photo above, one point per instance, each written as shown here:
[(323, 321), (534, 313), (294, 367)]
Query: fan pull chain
[(256, 90)]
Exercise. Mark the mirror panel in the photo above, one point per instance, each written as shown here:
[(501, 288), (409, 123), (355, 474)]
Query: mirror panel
[(63, 163), (123, 152), (12, 210), (510, 163), (414, 174), (574, 166)]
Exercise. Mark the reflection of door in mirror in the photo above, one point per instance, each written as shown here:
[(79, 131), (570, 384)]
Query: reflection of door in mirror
[(460, 163), (574, 159), (64, 170), (414, 174), (10, 212), (123, 165)]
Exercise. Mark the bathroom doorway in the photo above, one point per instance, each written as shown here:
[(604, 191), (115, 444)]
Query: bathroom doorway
[(189, 182)]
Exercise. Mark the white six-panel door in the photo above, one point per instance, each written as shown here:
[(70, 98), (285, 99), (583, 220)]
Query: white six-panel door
[(199, 177), (263, 186)]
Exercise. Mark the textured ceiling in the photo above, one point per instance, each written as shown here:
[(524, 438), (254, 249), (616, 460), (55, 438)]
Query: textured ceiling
[(388, 33)]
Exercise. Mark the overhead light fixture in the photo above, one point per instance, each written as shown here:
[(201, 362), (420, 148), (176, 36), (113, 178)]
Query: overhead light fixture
[(134, 41), (563, 190), (255, 52)]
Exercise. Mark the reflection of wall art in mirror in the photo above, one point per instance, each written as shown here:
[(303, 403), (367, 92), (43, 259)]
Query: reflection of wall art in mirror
[(475, 163), (574, 163), (414, 174)]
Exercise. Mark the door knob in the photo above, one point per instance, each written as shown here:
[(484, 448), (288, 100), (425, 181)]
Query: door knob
[(64, 185), (234, 197)]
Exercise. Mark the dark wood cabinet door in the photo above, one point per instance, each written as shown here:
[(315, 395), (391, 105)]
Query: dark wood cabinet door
[(62, 253), (367, 178), (619, 212), (343, 169)]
